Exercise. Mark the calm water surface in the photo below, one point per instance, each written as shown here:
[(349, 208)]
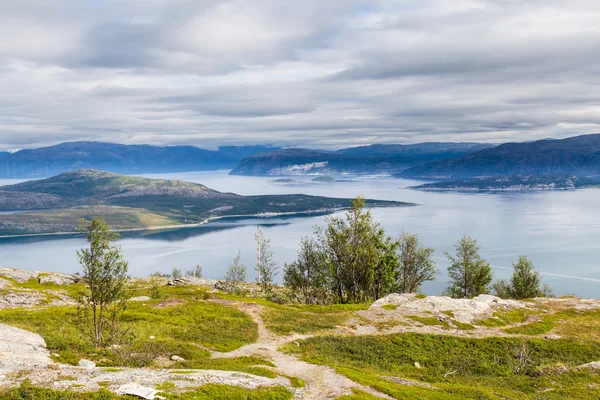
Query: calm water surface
[(559, 231)]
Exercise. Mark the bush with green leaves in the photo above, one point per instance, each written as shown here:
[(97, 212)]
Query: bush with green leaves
[(307, 276), (352, 260), (525, 282), (415, 264), (266, 268), (176, 273), (196, 272), (470, 275), (236, 274)]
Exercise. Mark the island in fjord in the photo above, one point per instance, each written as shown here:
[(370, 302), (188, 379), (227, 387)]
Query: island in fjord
[(56, 204), (511, 182)]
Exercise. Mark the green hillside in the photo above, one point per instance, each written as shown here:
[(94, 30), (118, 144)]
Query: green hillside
[(127, 202)]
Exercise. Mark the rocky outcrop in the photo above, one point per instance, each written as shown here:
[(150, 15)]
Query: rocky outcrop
[(19, 275), (192, 281), (4, 284), (24, 275), (21, 299), (464, 310), (21, 350), (58, 279)]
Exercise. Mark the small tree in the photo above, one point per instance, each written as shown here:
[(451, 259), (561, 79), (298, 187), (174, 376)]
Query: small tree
[(105, 277), (415, 264), (470, 275), (176, 273), (307, 276), (501, 289), (525, 282), (196, 272), (236, 274), (266, 268)]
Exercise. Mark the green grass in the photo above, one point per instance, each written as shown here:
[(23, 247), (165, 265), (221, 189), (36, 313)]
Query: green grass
[(285, 321), (540, 327), (187, 330), (296, 382), (489, 368), (358, 395), (300, 318), (389, 307), (429, 321), (578, 324), (206, 392), (503, 318), (462, 326), (251, 365)]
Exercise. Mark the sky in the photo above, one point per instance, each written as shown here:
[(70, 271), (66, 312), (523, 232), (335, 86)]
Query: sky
[(320, 74)]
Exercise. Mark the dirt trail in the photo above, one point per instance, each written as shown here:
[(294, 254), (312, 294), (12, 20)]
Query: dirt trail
[(322, 383)]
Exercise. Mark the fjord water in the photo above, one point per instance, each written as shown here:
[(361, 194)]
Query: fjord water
[(558, 230)]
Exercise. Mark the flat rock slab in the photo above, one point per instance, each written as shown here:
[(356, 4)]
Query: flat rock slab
[(464, 310), (25, 275), (20, 350), (19, 275)]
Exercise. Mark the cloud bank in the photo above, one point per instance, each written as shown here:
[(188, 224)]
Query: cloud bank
[(328, 73)]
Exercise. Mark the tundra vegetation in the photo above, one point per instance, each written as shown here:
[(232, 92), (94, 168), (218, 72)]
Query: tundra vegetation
[(534, 349)]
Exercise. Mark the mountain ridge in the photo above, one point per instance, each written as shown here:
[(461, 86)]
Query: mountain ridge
[(119, 158), (578, 155), (357, 160)]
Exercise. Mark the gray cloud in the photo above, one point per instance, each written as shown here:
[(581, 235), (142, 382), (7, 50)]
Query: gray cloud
[(327, 73)]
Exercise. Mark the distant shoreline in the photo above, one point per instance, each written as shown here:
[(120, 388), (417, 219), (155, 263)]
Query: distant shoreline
[(205, 222)]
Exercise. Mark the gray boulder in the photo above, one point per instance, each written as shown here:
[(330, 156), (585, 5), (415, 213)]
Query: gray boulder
[(87, 364), (191, 281), (58, 279)]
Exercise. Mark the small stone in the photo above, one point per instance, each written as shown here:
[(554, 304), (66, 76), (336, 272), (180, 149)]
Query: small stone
[(135, 389), (140, 298), (56, 383), (177, 358), (56, 354), (551, 337), (593, 366), (152, 337), (87, 364), (417, 365)]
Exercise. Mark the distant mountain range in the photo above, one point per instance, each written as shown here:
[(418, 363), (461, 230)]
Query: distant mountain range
[(575, 156), (578, 156), (358, 160), (56, 204), (127, 159)]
